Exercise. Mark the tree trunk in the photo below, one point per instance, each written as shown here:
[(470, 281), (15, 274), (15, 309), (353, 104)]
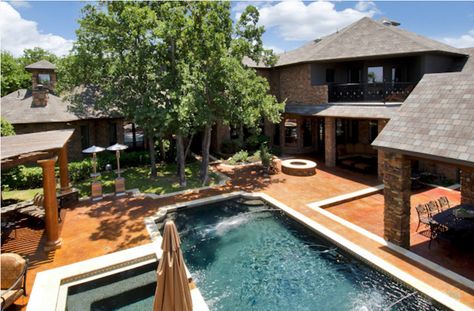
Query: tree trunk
[(206, 143), (241, 135), (151, 146), (181, 160), (188, 147)]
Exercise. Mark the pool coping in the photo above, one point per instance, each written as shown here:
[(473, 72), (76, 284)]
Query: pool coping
[(48, 291), (334, 237)]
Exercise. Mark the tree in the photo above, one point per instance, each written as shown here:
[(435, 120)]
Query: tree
[(36, 54), (119, 46), (6, 128), (14, 76), (218, 86)]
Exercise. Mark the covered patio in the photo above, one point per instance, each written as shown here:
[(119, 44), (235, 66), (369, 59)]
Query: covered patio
[(44, 149)]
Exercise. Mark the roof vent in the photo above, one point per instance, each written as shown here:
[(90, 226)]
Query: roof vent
[(387, 22), (317, 40)]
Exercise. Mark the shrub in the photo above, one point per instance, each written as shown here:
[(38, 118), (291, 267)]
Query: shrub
[(6, 128), (239, 157), (254, 141), (265, 156), (231, 146)]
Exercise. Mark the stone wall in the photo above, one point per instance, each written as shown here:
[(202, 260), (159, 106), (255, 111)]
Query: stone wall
[(380, 155), (295, 86), (397, 172), (467, 186), (99, 133), (330, 141)]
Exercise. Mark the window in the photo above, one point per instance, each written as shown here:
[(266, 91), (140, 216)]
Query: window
[(347, 131), (112, 133), (330, 74), (375, 74), (276, 134), (307, 133), (44, 78), (291, 132), (85, 142), (373, 130)]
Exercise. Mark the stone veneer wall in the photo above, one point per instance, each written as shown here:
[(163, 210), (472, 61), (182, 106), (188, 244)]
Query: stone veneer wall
[(467, 186), (98, 133), (397, 172), (330, 141), (295, 86), (380, 154)]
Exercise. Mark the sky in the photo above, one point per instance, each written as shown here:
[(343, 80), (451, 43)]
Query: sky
[(289, 24)]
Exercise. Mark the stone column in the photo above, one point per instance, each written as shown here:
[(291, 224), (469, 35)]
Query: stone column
[(50, 205), (63, 170), (397, 199), (330, 141), (467, 185), (380, 155)]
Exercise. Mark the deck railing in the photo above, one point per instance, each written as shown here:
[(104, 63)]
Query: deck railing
[(370, 92)]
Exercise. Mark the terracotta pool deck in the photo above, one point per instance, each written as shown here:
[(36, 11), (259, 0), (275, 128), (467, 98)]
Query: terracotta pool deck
[(93, 229)]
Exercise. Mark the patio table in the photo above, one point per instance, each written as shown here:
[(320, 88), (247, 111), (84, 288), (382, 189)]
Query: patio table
[(453, 223)]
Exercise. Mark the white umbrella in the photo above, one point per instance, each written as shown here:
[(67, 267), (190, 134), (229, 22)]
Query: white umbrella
[(94, 150), (117, 148)]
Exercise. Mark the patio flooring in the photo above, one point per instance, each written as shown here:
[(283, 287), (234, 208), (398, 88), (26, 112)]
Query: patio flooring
[(93, 229), (368, 213)]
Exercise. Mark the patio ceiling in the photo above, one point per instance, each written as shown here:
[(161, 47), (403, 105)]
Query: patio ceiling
[(24, 148)]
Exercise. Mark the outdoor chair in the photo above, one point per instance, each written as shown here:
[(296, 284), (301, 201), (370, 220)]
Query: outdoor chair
[(432, 208), (443, 203), (423, 216), (440, 232), (13, 269), (36, 211)]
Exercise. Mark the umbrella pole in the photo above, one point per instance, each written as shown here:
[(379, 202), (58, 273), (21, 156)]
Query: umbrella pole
[(94, 163), (117, 153)]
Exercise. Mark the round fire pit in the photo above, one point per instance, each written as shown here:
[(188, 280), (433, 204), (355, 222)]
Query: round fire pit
[(298, 167)]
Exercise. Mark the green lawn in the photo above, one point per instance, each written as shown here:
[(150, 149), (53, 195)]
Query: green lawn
[(137, 177)]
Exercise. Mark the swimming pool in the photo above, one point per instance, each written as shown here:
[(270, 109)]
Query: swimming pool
[(254, 257)]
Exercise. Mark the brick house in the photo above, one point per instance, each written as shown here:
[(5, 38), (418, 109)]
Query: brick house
[(41, 109), (341, 90)]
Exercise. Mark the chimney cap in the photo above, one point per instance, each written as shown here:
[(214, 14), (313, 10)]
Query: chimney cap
[(42, 64), (388, 22)]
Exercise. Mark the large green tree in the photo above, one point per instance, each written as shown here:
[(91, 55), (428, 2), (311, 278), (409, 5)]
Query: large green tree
[(120, 47), (219, 88), (14, 76)]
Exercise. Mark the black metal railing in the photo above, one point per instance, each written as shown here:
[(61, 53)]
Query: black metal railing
[(370, 92)]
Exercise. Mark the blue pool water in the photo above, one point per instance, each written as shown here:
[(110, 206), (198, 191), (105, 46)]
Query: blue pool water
[(255, 258), (252, 258)]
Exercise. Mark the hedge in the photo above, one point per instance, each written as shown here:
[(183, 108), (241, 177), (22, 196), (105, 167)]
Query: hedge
[(23, 177)]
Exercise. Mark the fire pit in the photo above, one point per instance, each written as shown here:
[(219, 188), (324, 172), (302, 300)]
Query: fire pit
[(298, 167)]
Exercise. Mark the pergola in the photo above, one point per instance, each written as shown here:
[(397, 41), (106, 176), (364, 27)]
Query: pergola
[(44, 148)]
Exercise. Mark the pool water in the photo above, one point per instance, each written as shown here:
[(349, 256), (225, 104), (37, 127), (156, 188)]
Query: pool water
[(256, 258)]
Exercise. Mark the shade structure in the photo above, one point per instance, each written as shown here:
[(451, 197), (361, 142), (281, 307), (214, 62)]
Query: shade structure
[(172, 290), (117, 147), (93, 149)]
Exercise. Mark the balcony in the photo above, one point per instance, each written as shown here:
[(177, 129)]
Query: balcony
[(370, 92)]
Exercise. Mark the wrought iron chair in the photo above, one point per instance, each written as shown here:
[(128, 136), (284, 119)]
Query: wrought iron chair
[(423, 216), (13, 286), (440, 232), (443, 203), (432, 208)]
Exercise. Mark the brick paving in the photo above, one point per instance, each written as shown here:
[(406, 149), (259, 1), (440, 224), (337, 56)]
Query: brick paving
[(93, 229)]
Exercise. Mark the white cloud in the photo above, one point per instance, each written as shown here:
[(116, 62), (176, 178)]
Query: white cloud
[(275, 49), (463, 41), (18, 34), (20, 4), (295, 20)]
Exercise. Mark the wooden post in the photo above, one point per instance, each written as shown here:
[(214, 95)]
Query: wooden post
[(53, 241), (63, 171)]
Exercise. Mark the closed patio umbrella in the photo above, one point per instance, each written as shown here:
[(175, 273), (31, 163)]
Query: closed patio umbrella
[(172, 290)]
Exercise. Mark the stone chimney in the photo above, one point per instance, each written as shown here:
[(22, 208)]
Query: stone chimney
[(43, 80)]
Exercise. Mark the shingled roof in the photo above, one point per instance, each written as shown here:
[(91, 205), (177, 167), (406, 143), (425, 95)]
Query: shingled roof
[(435, 121), (346, 110), (17, 108), (42, 64), (364, 38)]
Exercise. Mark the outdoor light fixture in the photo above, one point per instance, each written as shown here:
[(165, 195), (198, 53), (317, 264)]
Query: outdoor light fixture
[(96, 185), (119, 181)]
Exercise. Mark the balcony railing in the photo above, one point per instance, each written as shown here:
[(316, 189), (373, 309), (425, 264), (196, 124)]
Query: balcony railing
[(370, 92)]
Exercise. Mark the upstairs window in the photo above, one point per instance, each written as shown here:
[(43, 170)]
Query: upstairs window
[(375, 74), (330, 75)]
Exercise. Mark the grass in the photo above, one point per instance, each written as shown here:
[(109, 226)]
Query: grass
[(136, 177)]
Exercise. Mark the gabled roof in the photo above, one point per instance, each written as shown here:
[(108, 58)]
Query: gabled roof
[(469, 65), (435, 121), (364, 38), (17, 108), (42, 64), (346, 110)]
